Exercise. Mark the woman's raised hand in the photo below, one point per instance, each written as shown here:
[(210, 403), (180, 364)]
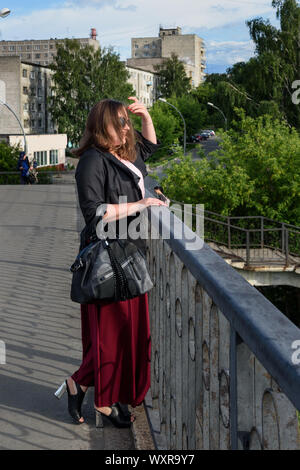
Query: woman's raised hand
[(138, 108)]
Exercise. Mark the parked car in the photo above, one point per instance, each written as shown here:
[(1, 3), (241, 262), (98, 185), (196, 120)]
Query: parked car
[(204, 135), (209, 131)]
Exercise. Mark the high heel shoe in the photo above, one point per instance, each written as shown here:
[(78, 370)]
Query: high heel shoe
[(114, 417), (74, 401), (125, 413)]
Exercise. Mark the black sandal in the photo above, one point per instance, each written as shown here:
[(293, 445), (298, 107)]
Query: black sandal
[(74, 401), (115, 417), (125, 413)]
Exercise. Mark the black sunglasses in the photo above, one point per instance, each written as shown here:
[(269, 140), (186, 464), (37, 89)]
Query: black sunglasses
[(124, 121)]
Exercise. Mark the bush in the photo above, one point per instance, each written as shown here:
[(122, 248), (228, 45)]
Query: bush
[(255, 171)]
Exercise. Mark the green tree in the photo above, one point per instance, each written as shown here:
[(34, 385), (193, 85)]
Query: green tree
[(167, 127), (82, 76), (255, 171), (9, 157), (174, 80)]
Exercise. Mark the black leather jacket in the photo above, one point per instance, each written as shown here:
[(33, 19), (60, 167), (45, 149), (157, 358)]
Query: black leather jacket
[(101, 178)]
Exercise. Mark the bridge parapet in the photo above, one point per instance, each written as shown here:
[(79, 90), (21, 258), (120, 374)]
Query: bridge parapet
[(225, 361)]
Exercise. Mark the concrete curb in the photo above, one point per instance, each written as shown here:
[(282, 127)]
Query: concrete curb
[(140, 429)]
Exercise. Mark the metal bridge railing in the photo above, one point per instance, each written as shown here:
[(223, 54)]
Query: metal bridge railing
[(252, 239), (225, 371)]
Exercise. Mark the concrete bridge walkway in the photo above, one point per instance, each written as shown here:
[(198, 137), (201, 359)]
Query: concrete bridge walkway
[(40, 325)]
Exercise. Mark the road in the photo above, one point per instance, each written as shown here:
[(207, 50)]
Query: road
[(208, 146)]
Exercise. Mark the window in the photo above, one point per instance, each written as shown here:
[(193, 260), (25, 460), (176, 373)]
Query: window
[(24, 73), (32, 123), (40, 157), (28, 56), (40, 92), (32, 107), (4, 48), (46, 55), (45, 46), (39, 107), (32, 75), (53, 157), (20, 48), (36, 48), (51, 46), (37, 56), (11, 48), (146, 46), (28, 48), (25, 106), (136, 46), (33, 91), (40, 123), (25, 90)]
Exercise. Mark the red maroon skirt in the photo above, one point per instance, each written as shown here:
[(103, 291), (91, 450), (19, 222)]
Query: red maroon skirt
[(116, 351)]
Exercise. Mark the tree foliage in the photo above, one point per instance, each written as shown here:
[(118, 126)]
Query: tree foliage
[(174, 80), (82, 76), (263, 84), (9, 157), (256, 171)]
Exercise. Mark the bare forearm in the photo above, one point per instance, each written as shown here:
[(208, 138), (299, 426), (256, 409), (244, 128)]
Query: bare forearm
[(119, 211), (148, 130)]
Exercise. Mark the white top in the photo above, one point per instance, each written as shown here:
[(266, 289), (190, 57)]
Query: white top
[(132, 167)]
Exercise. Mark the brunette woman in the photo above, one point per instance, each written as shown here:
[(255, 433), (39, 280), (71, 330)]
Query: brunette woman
[(115, 335)]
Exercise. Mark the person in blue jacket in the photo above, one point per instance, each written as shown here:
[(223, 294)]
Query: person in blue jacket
[(23, 166)]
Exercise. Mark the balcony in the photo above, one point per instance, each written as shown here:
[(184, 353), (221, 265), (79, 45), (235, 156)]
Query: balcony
[(225, 370)]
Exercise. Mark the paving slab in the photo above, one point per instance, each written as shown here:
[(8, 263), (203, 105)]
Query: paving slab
[(40, 325)]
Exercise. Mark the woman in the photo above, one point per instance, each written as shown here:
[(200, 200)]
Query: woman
[(115, 335)]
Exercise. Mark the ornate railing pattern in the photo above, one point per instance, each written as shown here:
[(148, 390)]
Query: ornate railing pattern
[(222, 369)]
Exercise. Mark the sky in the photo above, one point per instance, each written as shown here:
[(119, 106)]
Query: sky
[(221, 23)]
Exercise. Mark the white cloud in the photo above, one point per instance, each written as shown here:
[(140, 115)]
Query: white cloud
[(117, 21), (228, 52)]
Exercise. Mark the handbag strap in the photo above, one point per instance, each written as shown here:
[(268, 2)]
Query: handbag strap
[(121, 284)]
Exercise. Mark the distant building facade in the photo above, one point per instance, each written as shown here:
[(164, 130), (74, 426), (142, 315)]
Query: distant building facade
[(26, 88), (147, 52), (145, 84), (45, 149), (41, 51)]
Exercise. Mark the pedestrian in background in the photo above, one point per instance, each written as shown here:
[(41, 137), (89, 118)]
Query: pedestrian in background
[(23, 167)]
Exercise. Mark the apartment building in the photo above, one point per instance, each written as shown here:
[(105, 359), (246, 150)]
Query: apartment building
[(147, 52), (145, 84), (26, 87), (41, 52)]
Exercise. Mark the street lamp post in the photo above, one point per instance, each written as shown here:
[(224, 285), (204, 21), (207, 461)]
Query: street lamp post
[(216, 107), (184, 126), (4, 12), (12, 111)]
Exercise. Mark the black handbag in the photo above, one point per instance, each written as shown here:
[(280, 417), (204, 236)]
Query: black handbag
[(109, 269)]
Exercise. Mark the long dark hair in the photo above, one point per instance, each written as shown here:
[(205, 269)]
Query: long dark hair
[(106, 112)]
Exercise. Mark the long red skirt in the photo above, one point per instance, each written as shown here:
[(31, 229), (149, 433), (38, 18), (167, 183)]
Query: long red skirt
[(116, 348)]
